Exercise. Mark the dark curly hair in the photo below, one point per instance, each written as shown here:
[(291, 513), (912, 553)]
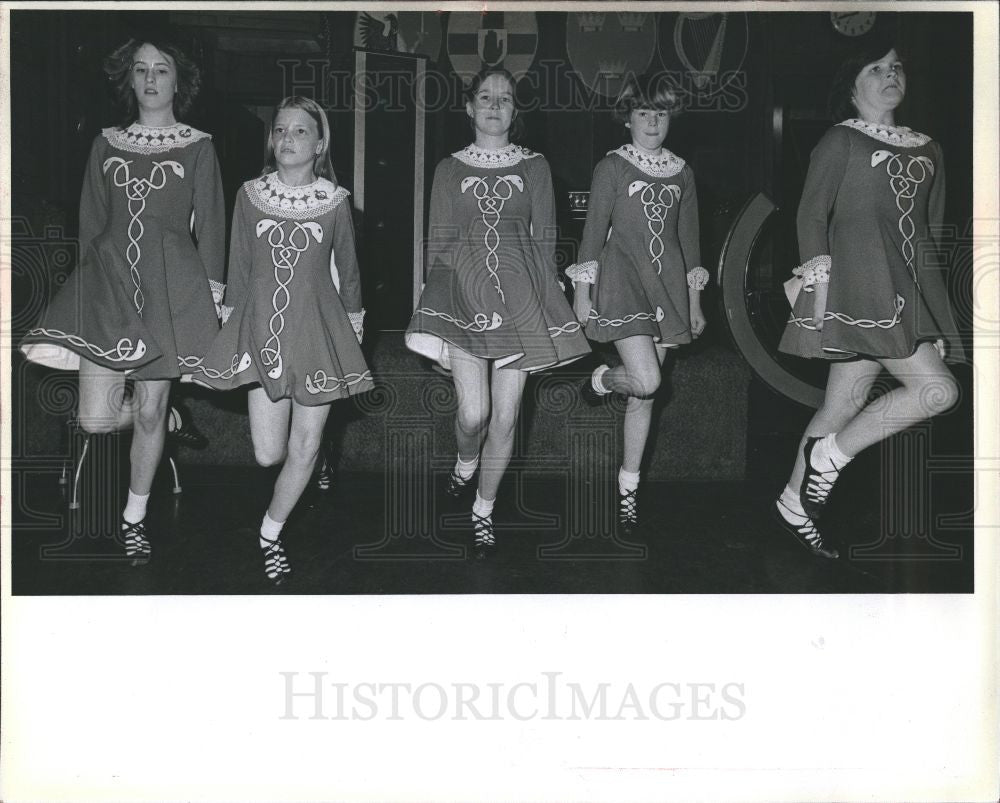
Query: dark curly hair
[(118, 68), (647, 92), (516, 124), (841, 100)]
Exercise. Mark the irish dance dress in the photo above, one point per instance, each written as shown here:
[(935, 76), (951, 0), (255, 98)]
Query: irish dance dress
[(292, 315), (492, 288), (642, 271), (152, 236), (873, 202)]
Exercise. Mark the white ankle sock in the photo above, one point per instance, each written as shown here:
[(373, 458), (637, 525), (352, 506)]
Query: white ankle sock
[(595, 380), (826, 455), (483, 507), (792, 514), (628, 480), (135, 507), (269, 530), (466, 468), (790, 499)]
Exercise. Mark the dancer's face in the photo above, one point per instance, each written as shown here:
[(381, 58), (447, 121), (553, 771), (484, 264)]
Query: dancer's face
[(649, 128), (295, 138), (154, 79), (492, 108), (880, 86)]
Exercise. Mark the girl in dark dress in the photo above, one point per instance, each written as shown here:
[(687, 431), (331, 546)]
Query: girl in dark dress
[(492, 309), (874, 196), (152, 250), (292, 317), (639, 287)]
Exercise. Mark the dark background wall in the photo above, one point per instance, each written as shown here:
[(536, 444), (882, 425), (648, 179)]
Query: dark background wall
[(757, 140), (755, 137)]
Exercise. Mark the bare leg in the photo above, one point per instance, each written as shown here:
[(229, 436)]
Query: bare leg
[(149, 431), (508, 387), (847, 389), (641, 369), (289, 431), (927, 389), (471, 377), (103, 404)]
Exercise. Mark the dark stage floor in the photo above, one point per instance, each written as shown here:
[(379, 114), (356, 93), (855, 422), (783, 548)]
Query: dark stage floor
[(699, 537)]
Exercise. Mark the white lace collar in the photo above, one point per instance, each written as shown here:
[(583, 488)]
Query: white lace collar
[(310, 200), (504, 157), (663, 165), (889, 134), (153, 139)]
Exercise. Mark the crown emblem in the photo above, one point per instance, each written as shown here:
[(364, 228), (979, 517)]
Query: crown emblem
[(591, 21), (611, 70), (632, 21)]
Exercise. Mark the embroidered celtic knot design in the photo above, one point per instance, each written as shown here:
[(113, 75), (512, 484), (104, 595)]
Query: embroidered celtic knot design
[(321, 382), (286, 248), (122, 351), (491, 199), (847, 320), (137, 190), (904, 181), (656, 316), (236, 366), (566, 329), (656, 200), (479, 323)]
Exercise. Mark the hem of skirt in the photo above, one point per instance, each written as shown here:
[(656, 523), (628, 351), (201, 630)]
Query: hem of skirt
[(677, 339), (309, 400), (62, 358), (437, 348)]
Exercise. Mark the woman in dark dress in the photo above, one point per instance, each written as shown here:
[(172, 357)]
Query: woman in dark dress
[(870, 298), (492, 309), (151, 265)]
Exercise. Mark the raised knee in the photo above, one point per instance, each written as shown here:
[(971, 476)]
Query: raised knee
[(940, 395), (646, 383), (97, 426), (470, 421), (268, 457)]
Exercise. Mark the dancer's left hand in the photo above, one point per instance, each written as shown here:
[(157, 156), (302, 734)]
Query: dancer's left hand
[(697, 322), (942, 350)]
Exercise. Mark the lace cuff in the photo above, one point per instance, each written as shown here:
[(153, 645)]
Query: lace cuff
[(224, 313), (814, 271), (358, 323), (218, 291), (585, 272), (697, 278)]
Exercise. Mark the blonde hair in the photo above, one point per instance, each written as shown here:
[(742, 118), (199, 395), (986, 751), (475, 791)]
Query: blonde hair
[(322, 164)]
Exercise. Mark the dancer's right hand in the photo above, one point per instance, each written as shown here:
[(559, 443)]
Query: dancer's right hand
[(819, 305), (581, 304)]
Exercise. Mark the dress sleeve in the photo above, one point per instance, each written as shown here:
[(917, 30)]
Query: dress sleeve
[(689, 233), (344, 258), (93, 197), (826, 173), (208, 221), (442, 230), (240, 257), (603, 189), (543, 212)]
